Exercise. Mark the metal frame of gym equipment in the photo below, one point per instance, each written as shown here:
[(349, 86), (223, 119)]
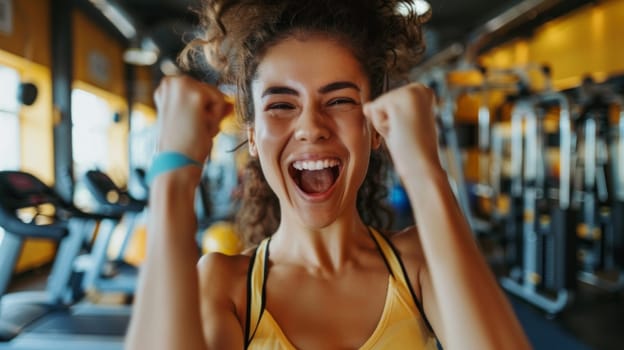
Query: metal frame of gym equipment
[(493, 80), (599, 199), (52, 319), (490, 141), (121, 206), (450, 152), (493, 186), (542, 276), (453, 161), (618, 176)]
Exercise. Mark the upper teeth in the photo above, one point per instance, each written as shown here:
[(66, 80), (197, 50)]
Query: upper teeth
[(315, 164)]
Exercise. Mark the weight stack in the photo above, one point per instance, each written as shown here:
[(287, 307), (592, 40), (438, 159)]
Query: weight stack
[(563, 266), (618, 229)]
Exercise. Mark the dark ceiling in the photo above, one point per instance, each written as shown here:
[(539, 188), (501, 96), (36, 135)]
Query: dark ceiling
[(166, 21)]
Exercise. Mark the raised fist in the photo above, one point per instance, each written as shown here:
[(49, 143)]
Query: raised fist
[(189, 113)]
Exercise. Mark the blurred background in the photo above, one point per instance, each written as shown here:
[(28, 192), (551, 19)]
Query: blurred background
[(530, 105)]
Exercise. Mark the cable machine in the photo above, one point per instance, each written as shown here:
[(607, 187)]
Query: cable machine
[(542, 218), (597, 185)]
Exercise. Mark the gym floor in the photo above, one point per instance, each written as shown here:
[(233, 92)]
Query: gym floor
[(593, 321)]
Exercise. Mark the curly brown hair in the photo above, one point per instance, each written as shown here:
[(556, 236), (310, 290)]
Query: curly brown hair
[(237, 34)]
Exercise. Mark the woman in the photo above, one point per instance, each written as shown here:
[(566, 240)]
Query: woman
[(310, 77)]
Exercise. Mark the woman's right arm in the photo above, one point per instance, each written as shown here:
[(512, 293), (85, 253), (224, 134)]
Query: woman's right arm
[(166, 312)]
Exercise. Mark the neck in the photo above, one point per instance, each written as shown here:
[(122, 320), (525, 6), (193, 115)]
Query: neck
[(324, 250)]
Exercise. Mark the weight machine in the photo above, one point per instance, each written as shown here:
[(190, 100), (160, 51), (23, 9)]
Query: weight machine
[(544, 250), (598, 185)]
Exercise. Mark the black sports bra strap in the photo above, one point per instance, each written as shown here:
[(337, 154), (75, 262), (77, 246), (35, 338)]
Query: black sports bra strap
[(397, 269), (256, 286)]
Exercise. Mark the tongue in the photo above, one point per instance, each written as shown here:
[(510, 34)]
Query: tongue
[(316, 181)]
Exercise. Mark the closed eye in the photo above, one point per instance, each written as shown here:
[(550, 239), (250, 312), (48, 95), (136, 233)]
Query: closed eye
[(280, 105), (341, 101)]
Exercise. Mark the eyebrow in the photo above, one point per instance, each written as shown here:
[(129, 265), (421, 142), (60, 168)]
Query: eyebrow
[(339, 85), (279, 90), (284, 90)]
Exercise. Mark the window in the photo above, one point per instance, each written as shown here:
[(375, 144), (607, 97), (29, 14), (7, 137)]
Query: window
[(9, 122), (91, 120), (143, 135), (9, 119), (142, 140)]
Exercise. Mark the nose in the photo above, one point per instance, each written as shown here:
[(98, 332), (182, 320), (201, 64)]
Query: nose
[(312, 126)]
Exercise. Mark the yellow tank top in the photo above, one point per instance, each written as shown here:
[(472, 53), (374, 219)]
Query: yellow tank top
[(402, 324)]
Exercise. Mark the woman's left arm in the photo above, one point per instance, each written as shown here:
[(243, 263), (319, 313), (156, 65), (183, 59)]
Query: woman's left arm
[(459, 290)]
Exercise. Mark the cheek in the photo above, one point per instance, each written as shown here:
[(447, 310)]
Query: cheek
[(361, 134), (269, 135), (271, 139), (357, 130), (356, 136)]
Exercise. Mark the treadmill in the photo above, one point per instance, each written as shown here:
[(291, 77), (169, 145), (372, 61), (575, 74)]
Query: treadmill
[(119, 205), (52, 319)]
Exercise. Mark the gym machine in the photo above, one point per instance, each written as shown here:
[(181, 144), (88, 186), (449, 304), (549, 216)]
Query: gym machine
[(53, 319), (542, 218), (494, 186), (100, 273), (598, 177), (618, 176), (451, 155), (491, 82), (495, 175)]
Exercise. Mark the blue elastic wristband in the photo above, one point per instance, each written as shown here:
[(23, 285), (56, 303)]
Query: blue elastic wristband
[(168, 161)]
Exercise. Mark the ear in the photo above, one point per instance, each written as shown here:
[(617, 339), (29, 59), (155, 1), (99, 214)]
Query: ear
[(251, 141), (376, 139)]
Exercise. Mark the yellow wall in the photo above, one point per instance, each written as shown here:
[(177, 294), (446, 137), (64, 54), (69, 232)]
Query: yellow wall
[(147, 110), (144, 86), (586, 41), (98, 58), (30, 37), (99, 69), (36, 121), (27, 50)]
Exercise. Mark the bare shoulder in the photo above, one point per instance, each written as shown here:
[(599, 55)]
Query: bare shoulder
[(223, 295), (220, 271), (223, 267), (223, 280), (407, 242)]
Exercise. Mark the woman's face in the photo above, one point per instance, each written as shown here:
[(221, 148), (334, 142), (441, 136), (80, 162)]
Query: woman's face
[(310, 134)]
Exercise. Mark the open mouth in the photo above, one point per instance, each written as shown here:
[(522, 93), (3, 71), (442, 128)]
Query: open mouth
[(315, 177)]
